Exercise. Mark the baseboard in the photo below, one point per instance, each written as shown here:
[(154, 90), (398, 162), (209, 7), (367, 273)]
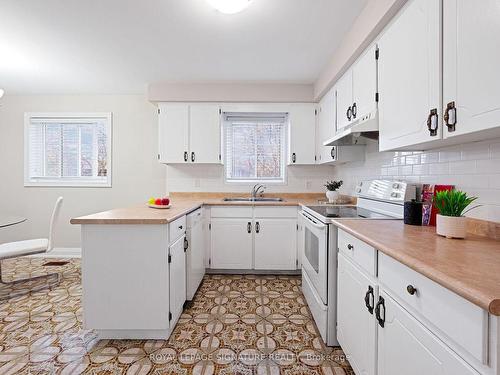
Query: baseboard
[(61, 252)]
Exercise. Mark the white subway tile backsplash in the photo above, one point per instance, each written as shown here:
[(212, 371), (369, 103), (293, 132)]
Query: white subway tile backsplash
[(463, 167), (439, 168), (473, 168)]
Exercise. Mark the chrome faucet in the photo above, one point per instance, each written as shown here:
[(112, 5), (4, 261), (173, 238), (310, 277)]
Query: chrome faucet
[(258, 189)]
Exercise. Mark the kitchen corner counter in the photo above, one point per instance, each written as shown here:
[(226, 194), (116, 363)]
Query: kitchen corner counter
[(470, 267), (182, 204)]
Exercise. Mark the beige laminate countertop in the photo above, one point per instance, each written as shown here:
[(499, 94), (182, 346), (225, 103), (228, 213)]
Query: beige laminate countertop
[(181, 205), (470, 267)]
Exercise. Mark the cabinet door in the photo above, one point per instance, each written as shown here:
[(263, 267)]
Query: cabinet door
[(195, 253), (300, 240), (405, 346), (173, 132), (364, 83), (409, 77), (471, 53), (204, 133), (356, 325), (177, 279), (325, 125), (302, 138), (231, 243), (275, 244), (344, 100)]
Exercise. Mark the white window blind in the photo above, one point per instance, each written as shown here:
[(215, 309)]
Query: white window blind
[(254, 146), (68, 150)]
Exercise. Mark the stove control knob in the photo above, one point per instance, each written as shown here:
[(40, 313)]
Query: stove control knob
[(394, 194), (396, 186)]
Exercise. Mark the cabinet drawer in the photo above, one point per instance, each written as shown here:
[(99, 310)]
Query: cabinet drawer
[(231, 211), (276, 212), (460, 321), (359, 252), (177, 228)]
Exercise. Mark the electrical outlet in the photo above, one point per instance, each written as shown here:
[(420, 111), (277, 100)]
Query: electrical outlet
[(308, 185), (197, 182)]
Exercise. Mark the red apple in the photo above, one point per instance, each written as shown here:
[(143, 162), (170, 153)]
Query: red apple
[(165, 201), (158, 202)]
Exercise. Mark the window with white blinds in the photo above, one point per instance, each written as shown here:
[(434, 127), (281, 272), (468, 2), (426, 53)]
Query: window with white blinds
[(68, 149), (254, 147)]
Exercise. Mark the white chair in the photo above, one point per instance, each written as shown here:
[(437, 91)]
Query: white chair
[(29, 247)]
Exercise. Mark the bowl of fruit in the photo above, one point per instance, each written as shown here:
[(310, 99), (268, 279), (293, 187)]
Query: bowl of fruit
[(159, 203)]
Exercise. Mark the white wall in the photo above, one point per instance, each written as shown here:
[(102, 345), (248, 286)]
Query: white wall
[(210, 178), (473, 168), (136, 172)]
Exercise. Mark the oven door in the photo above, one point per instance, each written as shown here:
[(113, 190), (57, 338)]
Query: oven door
[(315, 262)]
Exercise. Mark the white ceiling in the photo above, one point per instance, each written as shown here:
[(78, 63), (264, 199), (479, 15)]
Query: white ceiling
[(119, 46)]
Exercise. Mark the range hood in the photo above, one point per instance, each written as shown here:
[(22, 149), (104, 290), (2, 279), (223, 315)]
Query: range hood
[(366, 126)]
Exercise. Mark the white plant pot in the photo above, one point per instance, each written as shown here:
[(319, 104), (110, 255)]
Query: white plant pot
[(332, 196), (451, 226)]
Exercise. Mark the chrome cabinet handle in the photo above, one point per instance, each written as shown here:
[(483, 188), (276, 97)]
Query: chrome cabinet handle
[(432, 122), (450, 116)]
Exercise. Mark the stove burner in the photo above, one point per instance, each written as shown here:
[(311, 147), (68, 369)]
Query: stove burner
[(346, 212)]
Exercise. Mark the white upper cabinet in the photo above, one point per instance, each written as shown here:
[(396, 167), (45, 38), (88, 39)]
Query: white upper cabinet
[(204, 138), (325, 126), (364, 84), (302, 135), (173, 134), (356, 90), (344, 100), (471, 61), (410, 78), (189, 133)]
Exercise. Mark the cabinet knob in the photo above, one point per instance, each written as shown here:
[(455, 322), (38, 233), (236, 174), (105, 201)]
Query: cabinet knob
[(411, 289), (350, 247), (180, 226)]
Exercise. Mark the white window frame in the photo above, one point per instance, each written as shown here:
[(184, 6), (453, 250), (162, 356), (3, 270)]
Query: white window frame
[(284, 155), (68, 181)]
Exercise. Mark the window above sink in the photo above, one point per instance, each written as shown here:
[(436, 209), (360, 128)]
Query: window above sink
[(255, 147)]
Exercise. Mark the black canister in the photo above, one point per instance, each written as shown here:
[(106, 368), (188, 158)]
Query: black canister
[(413, 212)]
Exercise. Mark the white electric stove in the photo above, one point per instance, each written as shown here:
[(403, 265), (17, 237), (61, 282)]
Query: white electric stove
[(377, 200)]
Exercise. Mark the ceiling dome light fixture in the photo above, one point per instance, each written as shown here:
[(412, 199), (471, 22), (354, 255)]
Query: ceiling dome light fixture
[(229, 6)]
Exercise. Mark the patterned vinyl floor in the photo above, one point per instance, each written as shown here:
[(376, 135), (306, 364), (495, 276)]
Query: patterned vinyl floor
[(235, 325)]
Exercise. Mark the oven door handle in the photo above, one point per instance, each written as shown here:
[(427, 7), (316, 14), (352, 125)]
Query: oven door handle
[(319, 226)]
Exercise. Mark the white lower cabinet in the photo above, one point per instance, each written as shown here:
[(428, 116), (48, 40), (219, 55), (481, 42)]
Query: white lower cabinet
[(417, 326), (275, 244), (231, 243), (356, 330), (177, 274), (261, 238), (405, 346)]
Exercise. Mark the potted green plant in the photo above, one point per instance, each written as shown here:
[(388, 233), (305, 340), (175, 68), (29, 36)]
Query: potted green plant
[(450, 221), (331, 190)]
